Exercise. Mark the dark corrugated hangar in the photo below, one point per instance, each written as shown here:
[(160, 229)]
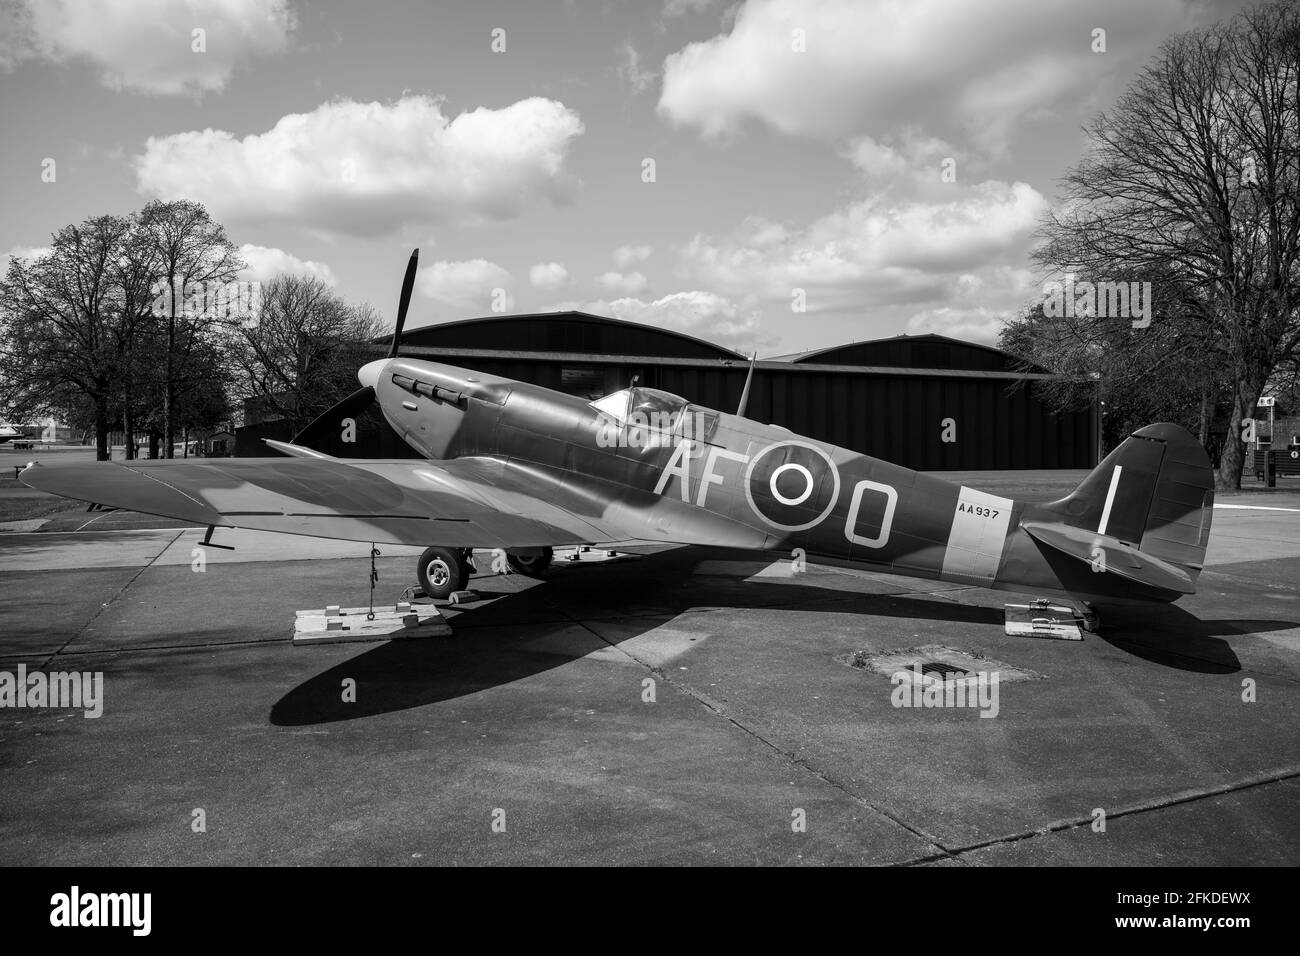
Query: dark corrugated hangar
[(887, 398)]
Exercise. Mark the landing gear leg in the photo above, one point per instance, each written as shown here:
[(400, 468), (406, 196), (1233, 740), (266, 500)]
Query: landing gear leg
[(442, 571), (1085, 614)]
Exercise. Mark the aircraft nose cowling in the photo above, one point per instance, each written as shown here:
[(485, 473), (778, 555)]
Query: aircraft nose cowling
[(369, 373)]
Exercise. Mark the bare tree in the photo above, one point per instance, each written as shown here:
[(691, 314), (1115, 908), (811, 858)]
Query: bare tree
[(133, 276), (190, 250), (1194, 176), (59, 320), (300, 354), (1169, 370)]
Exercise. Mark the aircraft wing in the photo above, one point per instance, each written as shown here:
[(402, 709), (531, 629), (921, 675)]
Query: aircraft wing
[(464, 502), (1119, 558)]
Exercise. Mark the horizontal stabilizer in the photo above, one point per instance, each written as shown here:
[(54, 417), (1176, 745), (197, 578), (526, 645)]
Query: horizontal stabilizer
[(1110, 555)]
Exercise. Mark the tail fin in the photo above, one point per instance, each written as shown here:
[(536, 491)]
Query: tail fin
[(1154, 492)]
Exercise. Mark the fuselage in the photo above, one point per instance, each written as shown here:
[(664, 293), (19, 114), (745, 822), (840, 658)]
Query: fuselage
[(751, 484)]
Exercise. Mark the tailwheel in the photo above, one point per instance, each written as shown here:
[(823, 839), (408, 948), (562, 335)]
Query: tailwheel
[(442, 571), (530, 562)]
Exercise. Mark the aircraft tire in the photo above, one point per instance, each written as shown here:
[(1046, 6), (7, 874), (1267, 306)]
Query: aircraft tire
[(442, 571), (530, 565)]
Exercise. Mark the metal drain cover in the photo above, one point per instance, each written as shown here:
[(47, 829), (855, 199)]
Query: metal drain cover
[(943, 670)]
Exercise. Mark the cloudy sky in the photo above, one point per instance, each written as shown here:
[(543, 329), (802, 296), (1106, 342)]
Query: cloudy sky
[(796, 150)]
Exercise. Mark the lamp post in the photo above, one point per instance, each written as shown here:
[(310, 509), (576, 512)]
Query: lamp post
[(1099, 409)]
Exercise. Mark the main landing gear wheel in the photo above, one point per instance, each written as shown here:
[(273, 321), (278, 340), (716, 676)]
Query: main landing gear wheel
[(531, 562), (442, 571)]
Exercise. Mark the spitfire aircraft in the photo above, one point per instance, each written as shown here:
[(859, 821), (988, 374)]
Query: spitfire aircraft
[(513, 466)]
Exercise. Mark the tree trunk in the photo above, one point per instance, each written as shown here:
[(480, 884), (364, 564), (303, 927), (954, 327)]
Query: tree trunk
[(128, 428), (168, 391), (1227, 477), (1207, 418), (153, 443), (102, 452)]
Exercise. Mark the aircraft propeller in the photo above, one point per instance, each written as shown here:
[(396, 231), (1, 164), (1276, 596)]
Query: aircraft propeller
[(356, 403)]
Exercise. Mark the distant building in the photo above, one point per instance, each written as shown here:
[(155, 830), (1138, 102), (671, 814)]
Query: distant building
[(890, 398), (46, 430), (893, 397), (259, 410), (218, 444)]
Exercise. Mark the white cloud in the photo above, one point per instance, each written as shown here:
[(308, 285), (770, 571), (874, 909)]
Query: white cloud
[(369, 168), (147, 46), (980, 324), (629, 284), (625, 256), (912, 252), (27, 252), (469, 285), (680, 8), (548, 276), (875, 159), (889, 249), (976, 304), (908, 156), (630, 72), (705, 315), (264, 262), (15, 35), (981, 66)]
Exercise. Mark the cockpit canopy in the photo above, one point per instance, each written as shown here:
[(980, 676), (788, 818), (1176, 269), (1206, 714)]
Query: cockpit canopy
[(644, 407), (650, 418)]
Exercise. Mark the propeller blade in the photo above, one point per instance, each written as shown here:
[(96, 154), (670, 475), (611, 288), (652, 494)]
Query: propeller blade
[(332, 419), (744, 395), (362, 398), (408, 283)]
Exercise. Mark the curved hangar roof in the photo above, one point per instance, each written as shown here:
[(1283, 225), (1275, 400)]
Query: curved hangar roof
[(578, 332), (911, 351)]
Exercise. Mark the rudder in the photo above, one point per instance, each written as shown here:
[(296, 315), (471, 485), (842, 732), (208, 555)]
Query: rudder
[(1154, 492)]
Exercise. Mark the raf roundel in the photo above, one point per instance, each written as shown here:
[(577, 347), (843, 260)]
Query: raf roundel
[(784, 485)]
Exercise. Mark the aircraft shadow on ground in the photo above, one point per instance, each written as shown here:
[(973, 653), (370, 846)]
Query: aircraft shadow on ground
[(520, 633), (1173, 637)]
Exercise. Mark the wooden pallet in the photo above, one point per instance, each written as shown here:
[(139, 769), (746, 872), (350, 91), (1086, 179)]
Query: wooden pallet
[(343, 625), (1040, 619)]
